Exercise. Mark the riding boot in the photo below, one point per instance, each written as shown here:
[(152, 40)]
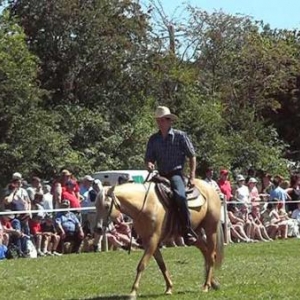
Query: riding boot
[(189, 236)]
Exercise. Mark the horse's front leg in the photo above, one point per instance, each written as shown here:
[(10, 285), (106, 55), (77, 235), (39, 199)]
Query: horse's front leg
[(160, 261), (150, 248)]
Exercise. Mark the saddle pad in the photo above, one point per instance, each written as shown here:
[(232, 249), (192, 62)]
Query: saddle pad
[(197, 202)]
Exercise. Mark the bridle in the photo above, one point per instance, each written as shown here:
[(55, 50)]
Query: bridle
[(114, 202)]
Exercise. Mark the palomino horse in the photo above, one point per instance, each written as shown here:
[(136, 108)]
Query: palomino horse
[(150, 220)]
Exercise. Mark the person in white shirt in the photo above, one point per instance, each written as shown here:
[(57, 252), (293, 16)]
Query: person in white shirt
[(48, 197), (242, 191), (88, 216), (209, 179)]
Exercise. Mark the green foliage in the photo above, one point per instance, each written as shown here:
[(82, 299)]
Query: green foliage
[(79, 81)]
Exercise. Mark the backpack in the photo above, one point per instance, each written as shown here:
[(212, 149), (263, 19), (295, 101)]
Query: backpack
[(12, 252)]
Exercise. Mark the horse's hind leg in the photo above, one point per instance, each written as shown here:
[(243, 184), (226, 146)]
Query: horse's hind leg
[(149, 251), (160, 261), (208, 249)]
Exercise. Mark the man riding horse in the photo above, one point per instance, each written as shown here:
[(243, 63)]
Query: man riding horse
[(168, 149)]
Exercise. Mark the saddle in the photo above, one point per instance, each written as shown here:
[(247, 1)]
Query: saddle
[(163, 188)]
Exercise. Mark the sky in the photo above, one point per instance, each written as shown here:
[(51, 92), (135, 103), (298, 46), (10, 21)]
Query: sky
[(281, 14)]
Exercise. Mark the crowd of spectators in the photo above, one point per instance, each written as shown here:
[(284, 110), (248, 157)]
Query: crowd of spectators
[(28, 217), (260, 207)]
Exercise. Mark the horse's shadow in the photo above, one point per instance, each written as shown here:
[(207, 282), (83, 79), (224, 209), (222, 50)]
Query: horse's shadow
[(127, 297), (120, 297)]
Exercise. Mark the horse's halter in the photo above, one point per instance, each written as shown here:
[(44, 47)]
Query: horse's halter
[(114, 202)]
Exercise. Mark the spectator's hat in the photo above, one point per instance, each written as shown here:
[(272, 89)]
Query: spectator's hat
[(66, 172), (240, 178), (88, 178), (252, 180), (224, 172), (17, 176), (65, 203), (164, 112)]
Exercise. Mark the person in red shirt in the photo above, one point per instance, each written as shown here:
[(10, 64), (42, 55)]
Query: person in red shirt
[(59, 186), (225, 185), (36, 231), (69, 194)]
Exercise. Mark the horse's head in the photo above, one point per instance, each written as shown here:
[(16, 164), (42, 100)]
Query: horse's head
[(106, 208)]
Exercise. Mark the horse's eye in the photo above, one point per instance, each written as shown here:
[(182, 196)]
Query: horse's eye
[(106, 206)]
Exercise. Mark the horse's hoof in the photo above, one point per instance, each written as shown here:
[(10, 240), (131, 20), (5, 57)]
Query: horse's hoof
[(215, 285), (205, 288), (132, 295), (168, 292)]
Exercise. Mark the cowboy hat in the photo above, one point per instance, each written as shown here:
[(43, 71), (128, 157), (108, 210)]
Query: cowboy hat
[(164, 112), (66, 172)]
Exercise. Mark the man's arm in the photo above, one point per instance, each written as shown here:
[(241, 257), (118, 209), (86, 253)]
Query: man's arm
[(192, 163)]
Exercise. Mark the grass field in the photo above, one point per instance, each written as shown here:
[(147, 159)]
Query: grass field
[(250, 271)]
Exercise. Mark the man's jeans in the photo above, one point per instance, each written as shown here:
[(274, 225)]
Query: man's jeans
[(178, 187)]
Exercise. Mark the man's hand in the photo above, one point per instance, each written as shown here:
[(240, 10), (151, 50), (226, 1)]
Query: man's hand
[(150, 167), (192, 181)]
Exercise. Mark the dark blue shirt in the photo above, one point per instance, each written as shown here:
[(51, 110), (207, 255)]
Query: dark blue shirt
[(169, 154)]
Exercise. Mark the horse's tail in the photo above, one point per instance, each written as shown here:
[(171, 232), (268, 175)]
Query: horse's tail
[(220, 246)]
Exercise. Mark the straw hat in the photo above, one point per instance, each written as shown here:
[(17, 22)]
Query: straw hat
[(164, 112)]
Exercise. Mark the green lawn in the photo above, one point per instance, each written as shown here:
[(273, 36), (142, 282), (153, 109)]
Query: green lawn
[(250, 271)]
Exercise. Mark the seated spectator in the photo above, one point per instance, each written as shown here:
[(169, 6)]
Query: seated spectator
[(12, 227), (259, 231), (118, 235), (273, 223), (36, 232), (296, 214), (50, 237), (294, 191), (69, 228), (292, 224), (3, 247), (236, 224)]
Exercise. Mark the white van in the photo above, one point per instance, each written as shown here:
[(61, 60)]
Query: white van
[(111, 177)]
